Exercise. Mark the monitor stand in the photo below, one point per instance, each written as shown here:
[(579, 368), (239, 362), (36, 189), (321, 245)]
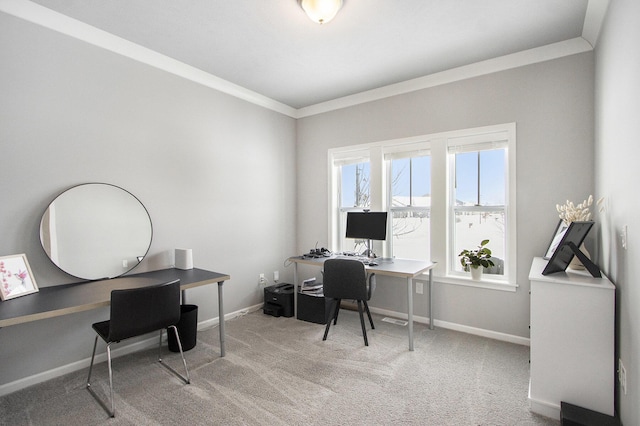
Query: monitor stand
[(369, 251)]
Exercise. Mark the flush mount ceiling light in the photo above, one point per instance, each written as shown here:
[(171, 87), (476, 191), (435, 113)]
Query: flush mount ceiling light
[(321, 11)]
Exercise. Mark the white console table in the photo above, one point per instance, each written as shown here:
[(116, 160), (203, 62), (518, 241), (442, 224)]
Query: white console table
[(572, 341)]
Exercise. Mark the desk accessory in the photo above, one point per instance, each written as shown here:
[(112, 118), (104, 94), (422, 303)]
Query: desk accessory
[(184, 259), (16, 278)]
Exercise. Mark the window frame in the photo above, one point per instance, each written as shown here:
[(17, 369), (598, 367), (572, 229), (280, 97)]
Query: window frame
[(395, 152), (474, 144), (441, 181), (337, 221)]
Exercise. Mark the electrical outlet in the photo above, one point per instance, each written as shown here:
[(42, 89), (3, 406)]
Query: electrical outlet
[(419, 287), (262, 281), (276, 275), (622, 376)]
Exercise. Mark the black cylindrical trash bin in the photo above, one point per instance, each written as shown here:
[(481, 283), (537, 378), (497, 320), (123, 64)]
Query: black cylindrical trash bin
[(187, 328)]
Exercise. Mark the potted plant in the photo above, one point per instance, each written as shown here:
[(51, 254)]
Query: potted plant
[(477, 259)]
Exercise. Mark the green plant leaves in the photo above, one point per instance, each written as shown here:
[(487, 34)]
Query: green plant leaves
[(476, 258)]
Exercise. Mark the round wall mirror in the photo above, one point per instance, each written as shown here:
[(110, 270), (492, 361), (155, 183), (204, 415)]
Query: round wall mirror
[(96, 231)]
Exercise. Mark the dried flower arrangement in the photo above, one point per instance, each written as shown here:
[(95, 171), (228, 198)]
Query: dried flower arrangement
[(570, 212)]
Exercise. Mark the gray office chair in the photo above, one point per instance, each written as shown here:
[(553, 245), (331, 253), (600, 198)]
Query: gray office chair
[(135, 312), (347, 279)]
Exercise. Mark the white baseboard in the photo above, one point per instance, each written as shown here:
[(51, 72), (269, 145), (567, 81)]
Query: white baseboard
[(543, 408), (25, 382), (203, 325), (490, 334)]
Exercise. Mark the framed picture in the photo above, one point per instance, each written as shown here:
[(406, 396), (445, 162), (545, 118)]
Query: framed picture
[(16, 278), (561, 228), (569, 247)]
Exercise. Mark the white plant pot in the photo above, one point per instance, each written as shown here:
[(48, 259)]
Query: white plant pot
[(476, 273)]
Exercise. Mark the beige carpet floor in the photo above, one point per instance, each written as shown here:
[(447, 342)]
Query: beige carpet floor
[(278, 371)]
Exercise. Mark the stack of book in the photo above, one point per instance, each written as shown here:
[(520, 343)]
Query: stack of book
[(311, 287)]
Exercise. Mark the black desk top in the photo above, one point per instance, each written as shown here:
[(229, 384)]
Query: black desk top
[(66, 299)]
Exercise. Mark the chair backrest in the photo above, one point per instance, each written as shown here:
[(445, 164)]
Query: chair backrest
[(142, 310), (345, 279)]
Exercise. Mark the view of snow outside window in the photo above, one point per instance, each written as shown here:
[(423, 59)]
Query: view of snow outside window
[(480, 194), (410, 207), (479, 210)]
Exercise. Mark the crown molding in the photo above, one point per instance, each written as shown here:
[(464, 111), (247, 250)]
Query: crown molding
[(63, 24), (515, 60), (596, 11)]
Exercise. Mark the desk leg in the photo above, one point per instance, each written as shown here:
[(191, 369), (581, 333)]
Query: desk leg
[(295, 290), (221, 316), (431, 298), (410, 310)]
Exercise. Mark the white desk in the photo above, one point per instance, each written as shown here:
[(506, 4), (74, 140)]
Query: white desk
[(401, 268)]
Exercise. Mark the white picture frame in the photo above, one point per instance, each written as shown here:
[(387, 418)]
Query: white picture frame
[(16, 278)]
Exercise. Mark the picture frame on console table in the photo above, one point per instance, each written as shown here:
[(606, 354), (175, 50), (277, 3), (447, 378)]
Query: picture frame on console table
[(569, 247), (561, 228), (16, 278)]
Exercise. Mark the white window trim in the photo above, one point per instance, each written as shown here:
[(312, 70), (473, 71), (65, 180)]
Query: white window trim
[(473, 144), (400, 152), (437, 145)]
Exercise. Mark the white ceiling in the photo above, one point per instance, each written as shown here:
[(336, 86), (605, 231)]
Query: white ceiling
[(271, 48)]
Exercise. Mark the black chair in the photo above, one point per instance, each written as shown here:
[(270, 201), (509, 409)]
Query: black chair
[(347, 279), (135, 312)]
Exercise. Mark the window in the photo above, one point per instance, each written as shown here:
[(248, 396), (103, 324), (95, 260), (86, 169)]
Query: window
[(354, 191), (477, 201), (444, 193), (410, 192), (353, 175)]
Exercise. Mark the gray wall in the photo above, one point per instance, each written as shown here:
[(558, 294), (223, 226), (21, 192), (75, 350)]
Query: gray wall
[(215, 173), (552, 106), (617, 176), (206, 165)]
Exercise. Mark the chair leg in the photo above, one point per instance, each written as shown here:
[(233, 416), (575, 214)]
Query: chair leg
[(113, 405), (111, 411), (187, 378), (364, 330), (335, 318), (366, 308), (333, 312), (93, 355)]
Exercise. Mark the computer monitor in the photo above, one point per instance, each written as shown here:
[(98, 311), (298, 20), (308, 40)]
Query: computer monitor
[(367, 225)]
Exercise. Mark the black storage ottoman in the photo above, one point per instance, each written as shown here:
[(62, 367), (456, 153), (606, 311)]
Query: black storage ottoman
[(313, 308)]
